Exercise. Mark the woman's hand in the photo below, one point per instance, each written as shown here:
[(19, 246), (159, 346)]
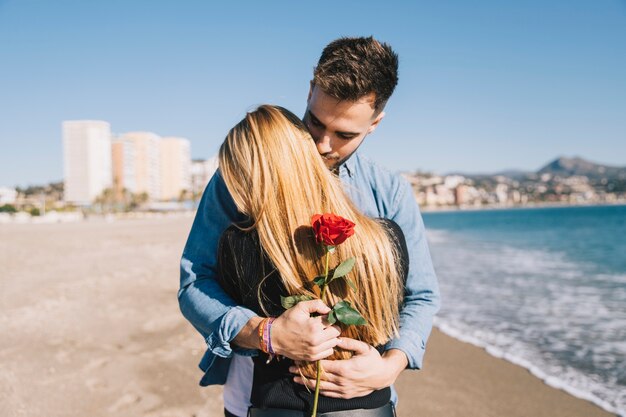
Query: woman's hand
[(365, 372), (298, 336)]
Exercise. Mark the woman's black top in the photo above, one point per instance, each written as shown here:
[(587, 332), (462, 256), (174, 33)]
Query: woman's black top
[(244, 269)]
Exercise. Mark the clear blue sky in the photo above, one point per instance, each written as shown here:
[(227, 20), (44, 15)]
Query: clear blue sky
[(484, 85)]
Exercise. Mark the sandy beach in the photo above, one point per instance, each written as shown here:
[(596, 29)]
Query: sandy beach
[(90, 326)]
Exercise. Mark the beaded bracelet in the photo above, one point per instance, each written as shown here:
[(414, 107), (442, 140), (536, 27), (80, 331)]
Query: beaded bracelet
[(265, 338), (268, 336)]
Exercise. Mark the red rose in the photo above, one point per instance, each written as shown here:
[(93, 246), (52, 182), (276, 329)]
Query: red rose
[(331, 229)]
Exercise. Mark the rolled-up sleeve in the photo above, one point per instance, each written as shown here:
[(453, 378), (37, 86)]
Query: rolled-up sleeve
[(201, 299), (421, 296)]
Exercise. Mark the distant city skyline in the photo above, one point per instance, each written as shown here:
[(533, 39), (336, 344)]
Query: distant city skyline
[(100, 165), (484, 87)]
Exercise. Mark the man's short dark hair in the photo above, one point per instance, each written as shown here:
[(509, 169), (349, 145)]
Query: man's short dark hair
[(352, 68)]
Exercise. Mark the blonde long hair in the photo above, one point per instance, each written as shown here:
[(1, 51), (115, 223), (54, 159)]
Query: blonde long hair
[(275, 175)]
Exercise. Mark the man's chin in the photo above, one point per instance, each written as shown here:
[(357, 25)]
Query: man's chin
[(332, 165)]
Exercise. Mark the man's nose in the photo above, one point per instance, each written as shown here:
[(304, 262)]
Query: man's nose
[(323, 144)]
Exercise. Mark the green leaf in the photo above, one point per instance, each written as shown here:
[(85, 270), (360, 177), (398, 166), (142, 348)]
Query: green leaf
[(341, 304), (319, 281), (331, 317), (343, 268), (330, 249), (288, 302), (350, 283), (348, 315)]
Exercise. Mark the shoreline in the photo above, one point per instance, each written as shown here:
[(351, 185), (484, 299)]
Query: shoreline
[(448, 209), (534, 370), (54, 217), (463, 380)]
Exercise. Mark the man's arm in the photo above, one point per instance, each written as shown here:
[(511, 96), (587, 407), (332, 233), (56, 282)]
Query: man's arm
[(201, 299), (421, 295), (216, 315)]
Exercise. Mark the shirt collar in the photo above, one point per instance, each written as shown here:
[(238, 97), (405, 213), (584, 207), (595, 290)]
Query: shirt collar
[(350, 164)]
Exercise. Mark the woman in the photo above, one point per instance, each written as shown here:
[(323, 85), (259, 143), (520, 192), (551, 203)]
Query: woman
[(274, 174)]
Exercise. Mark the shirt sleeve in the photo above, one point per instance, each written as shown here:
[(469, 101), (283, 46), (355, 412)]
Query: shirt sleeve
[(421, 295), (201, 299)]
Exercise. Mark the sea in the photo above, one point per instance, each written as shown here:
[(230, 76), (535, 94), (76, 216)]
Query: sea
[(544, 288)]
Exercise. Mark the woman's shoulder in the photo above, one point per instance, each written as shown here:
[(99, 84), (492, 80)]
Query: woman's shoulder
[(239, 231), (238, 238), (391, 227), (397, 237)]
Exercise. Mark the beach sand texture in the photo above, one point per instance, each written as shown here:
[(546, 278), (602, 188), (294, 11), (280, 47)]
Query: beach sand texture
[(90, 326)]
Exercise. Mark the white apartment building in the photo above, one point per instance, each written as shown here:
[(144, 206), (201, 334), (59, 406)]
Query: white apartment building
[(175, 167), (86, 160)]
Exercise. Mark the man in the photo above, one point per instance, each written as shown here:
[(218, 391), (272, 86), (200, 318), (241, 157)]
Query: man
[(352, 82)]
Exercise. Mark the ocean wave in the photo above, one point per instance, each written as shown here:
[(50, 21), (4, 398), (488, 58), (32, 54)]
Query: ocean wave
[(583, 386), (562, 320)]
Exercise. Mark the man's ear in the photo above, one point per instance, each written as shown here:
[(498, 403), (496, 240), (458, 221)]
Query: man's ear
[(375, 123)]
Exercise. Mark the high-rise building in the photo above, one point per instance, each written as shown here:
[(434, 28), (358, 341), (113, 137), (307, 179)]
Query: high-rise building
[(138, 163), (86, 160), (123, 161), (175, 167)]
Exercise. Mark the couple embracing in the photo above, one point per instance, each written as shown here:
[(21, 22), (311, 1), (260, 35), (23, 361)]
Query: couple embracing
[(252, 246)]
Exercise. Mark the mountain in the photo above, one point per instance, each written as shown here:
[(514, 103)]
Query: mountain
[(566, 167), (563, 167)]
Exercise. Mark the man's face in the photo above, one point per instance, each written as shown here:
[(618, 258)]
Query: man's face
[(339, 127)]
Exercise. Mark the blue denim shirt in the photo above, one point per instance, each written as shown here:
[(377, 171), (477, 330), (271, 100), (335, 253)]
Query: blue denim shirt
[(377, 193)]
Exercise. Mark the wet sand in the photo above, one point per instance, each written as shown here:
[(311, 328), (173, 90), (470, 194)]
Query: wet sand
[(90, 326)]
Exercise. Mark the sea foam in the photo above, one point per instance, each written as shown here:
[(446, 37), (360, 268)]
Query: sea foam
[(556, 317)]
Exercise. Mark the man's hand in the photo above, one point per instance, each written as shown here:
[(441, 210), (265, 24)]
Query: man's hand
[(298, 336), (365, 372)]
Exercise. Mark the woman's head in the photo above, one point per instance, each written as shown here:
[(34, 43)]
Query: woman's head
[(275, 176), (266, 156)]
